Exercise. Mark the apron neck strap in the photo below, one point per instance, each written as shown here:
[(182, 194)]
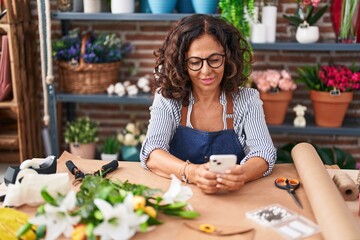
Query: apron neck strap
[(229, 113)]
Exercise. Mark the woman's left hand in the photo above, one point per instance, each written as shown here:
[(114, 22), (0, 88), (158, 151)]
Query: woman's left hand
[(233, 179)]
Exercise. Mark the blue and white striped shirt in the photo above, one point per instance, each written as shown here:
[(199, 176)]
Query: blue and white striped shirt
[(249, 125)]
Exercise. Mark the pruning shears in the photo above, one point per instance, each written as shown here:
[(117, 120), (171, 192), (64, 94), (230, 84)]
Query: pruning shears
[(80, 175)]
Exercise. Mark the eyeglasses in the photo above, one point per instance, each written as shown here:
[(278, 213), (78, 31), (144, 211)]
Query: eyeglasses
[(215, 60)]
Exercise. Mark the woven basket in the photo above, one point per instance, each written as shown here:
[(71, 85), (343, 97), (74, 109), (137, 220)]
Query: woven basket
[(87, 78)]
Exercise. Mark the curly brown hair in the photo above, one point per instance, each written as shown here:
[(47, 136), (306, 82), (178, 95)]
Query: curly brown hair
[(171, 77)]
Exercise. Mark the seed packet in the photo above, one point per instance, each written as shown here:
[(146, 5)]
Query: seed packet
[(288, 223)]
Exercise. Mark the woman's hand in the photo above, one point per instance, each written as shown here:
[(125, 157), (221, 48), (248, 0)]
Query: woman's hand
[(232, 180), (203, 178)]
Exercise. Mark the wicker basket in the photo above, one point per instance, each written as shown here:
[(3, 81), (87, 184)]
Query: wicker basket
[(87, 78)]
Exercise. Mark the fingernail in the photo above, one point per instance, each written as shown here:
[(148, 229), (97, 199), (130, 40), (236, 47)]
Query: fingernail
[(219, 179), (228, 171), (218, 185)]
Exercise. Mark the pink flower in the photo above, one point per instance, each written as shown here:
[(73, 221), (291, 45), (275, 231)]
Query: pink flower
[(273, 80), (339, 77)]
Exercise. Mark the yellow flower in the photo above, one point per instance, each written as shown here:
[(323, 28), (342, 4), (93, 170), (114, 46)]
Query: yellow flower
[(79, 232), (138, 202), (208, 228), (150, 211)]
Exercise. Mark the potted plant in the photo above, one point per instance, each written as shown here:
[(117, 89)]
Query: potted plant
[(89, 63), (305, 18), (276, 91), (331, 91), (130, 140), (82, 134), (348, 21), (110, 149)]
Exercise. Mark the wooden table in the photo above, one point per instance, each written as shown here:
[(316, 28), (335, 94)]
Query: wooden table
[(227, 209)]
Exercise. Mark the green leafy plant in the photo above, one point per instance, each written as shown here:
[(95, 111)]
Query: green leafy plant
[(108, 209), (348, 24), (82, 130), (306, 12), (329, 156), (110, 146)]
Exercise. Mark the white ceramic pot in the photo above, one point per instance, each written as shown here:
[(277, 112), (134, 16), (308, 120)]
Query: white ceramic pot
[(109, 157), (122, 6), (307, 34), (92, 6)]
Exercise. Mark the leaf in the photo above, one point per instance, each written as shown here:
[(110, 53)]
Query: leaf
[(326, 155), (317, 15), (174, 206)]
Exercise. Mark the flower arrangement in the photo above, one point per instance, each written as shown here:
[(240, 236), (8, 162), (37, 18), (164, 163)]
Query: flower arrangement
[(330, 78), (271, 80), (306, 12), (348, 21), (112, 210), (101, 48), (120, 89), (132, 135)]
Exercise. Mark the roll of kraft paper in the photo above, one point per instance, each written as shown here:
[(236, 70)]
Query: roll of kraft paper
[(330, 210), (346, 186)]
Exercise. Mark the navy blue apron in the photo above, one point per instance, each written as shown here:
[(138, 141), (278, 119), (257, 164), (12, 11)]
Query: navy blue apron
[(197, 145)]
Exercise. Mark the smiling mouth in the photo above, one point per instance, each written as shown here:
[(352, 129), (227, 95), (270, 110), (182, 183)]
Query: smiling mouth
[(207, 80)]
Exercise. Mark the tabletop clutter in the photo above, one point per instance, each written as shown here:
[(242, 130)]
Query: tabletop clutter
[(24, 185)]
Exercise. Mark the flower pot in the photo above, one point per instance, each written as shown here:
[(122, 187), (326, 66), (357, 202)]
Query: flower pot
[(144, 6), (122, 6), (83, 150), (92, 6), (161, 6), (330, 110), (109, 157), (275, 106), (184, 6), (307, 34), (130, 153), (205, 6)]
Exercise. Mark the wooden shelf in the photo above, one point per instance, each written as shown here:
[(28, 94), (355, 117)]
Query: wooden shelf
[(9, 140), (7, 104)]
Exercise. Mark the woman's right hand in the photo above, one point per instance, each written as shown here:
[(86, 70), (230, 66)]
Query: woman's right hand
[(203, 178)]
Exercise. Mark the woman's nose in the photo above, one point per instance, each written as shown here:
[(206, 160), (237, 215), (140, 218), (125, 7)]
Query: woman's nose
[(205, 68)]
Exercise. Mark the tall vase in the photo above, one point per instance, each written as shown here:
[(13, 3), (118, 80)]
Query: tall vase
[(330, 110), (348, 21), (92, 6), (161, 6), (275, 106), (130, 153), (123, 6), (269, 16)]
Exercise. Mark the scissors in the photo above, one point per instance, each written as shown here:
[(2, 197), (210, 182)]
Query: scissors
[(80, 175), (290, 185)]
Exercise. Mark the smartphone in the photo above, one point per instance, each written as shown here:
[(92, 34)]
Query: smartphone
[(221, 163)]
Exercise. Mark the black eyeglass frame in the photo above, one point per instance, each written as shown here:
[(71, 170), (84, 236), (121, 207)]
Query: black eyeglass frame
[(207, 60)]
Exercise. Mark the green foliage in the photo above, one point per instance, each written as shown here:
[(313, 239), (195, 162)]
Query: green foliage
[(309, 75), (234, 11), (329, 156), (110, 146), (82, 130), (311, 17)]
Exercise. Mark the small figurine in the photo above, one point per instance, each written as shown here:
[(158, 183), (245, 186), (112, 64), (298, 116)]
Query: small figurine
[(299, 120)]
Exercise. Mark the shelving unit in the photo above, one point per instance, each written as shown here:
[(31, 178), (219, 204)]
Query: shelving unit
[(351, 127)]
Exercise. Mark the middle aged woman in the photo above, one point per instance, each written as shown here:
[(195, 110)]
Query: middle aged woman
[(200, 110)]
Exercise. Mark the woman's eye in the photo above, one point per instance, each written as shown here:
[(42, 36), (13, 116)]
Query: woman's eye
[(195, 63)]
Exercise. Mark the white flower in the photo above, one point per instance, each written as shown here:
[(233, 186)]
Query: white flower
[(119, 89), (146, 89), (111, 89), (57, 218), (129, 140), (120, 137), (120, 221), (142, 138), (176, 192), (127, 83), (131, 128), (143, 82), (132, 90)]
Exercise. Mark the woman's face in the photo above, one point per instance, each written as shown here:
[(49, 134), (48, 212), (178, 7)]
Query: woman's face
[(205, 75)]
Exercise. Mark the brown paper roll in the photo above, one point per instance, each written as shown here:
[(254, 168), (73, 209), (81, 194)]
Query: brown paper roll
[(331, 212), (346, 186)]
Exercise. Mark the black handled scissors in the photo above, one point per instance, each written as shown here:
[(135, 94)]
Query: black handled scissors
[(290, 185)]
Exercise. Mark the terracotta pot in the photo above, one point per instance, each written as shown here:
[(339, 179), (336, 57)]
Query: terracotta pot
[(330, 110), (275, 106), (83, 150)]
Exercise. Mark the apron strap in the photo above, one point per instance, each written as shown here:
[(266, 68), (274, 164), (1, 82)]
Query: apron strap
[(184, 111), (229, 112)]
